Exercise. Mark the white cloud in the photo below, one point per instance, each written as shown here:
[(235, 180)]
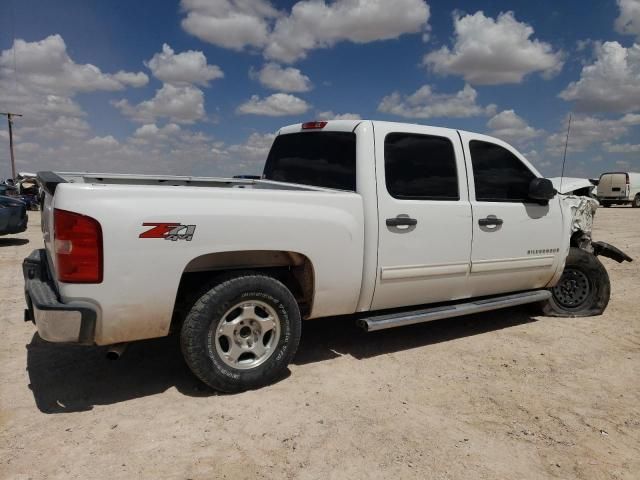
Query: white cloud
[(170, 149), (54, 134), (425, 103), (58, 128), (178, 104), (184, 68), (622, 147), (508, 126), (233, 24), (276, 105), (255, 149), (275, 77), (589, 130), (107, 141), (151, 131), (242, 158), (42, 88), (315, 24), (131, 79), (311, 24), (611, 83), (44, 67), (329, 115), (491, 52), (628, 22)]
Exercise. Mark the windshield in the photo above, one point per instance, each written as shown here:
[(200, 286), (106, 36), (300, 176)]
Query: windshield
[(322, 159)]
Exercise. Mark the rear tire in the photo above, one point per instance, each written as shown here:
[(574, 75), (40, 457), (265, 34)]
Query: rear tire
[(606, 205), (583, 290), (636, 201), (242, 333)]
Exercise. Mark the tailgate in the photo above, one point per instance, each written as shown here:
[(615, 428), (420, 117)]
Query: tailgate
[(49, 182)]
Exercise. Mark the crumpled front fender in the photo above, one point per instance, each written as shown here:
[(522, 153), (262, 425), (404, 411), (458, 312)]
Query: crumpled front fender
[(609, 251), (581, 211)]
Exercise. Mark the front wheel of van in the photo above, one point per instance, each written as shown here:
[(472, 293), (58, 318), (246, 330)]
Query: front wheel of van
[(636, 201), (583, 290)]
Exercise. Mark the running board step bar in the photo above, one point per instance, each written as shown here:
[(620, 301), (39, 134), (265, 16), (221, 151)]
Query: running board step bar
[(381, 322)]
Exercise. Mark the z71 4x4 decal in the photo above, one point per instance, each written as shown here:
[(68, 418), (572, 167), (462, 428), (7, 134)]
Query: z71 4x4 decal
[(169, 231)]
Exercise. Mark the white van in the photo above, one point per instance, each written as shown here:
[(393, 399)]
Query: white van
[(619, 188)]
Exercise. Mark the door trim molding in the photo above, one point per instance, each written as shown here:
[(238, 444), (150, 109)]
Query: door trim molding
[(422, 271), (518, 263)]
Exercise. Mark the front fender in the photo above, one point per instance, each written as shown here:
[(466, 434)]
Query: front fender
[(609, 251)]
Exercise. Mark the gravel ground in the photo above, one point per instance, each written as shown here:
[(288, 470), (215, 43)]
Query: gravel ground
[(502, 395)]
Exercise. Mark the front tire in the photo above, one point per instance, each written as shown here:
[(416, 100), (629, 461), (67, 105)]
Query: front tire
[(242, 333), (583, 290), (636, 201)]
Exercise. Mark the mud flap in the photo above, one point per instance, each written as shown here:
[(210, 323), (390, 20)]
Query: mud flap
[(609, 251)]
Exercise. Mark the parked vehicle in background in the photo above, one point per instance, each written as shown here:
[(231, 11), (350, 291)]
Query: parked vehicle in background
[(7, 187), (394, 223), (619, 188), (28, 190), (13, 215)]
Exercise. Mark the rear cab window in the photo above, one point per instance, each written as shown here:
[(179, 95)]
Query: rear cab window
[(321, 159), (420, 167)]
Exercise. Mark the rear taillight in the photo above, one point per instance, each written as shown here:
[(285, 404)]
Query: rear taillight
[(627, 175), (78, 247)]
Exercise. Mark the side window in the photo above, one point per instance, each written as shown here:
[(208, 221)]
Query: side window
[(420, 167), (498, 175)]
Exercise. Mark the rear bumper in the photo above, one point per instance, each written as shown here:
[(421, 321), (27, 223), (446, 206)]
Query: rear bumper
[(56, 321)]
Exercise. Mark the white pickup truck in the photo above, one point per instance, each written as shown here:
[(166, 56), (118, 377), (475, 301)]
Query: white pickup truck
[(389, 223)]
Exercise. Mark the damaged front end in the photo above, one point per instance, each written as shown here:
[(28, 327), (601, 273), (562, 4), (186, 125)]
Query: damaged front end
[(582, 210)]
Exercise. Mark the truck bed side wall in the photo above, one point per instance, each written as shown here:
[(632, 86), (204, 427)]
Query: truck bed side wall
[(141, 276)]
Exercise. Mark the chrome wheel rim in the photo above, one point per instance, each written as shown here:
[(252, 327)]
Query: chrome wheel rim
[(573, 288), (246, 335)]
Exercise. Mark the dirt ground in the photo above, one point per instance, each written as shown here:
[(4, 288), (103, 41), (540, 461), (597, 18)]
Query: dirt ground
[(502, 395)]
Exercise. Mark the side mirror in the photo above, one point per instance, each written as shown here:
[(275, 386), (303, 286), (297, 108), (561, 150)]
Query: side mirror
[(541, 189)]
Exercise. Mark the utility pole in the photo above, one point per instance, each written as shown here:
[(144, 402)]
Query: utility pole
[(13, 158)]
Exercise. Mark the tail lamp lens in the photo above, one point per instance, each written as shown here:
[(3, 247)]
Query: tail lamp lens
[(78, 247)]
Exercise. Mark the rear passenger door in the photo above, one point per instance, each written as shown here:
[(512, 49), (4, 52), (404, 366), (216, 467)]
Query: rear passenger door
[(517, 242), (424, 216)]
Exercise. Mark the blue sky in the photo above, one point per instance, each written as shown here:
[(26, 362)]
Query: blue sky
[(83, 73)]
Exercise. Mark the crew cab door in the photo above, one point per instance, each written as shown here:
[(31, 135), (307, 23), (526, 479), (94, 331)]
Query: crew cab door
[(517, 243), (424, 216)]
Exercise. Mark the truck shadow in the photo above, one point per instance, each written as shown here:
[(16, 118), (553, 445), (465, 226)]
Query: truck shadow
[(72, 378), (335, 337)]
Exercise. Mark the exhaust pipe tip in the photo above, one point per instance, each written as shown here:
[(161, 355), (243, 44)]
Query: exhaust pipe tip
[(363, 324), (116, 351)]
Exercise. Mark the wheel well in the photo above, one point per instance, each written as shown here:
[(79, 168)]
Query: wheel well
[(293, 269), (581, 240)]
